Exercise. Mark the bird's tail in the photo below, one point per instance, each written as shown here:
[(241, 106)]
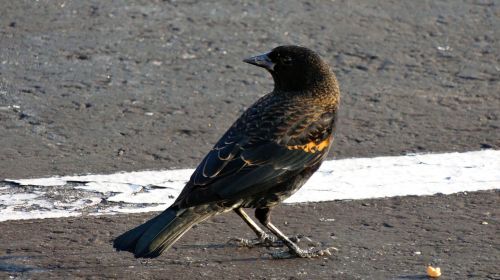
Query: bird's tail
[(150, 239)]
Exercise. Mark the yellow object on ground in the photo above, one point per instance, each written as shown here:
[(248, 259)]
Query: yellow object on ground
[(433, 272)]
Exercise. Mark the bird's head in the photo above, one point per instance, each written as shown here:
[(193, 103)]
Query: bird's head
[(294, 68)]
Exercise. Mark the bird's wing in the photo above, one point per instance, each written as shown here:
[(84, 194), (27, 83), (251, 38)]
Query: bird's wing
[(245, 162)]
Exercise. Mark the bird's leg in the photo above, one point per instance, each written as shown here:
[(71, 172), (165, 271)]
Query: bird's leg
[(264, 216), (263, 239)]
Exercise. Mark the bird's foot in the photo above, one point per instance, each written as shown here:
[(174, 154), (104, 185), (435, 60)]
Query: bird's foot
[(301, 253), (264, 241)]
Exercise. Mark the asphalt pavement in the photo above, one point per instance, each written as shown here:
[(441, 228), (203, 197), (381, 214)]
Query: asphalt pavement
[(106, 86)]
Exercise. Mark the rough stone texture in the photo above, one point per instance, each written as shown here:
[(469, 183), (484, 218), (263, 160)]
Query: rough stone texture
[(392, 238), (103, 86)]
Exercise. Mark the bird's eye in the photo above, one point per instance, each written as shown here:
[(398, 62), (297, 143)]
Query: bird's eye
[(286, 60)]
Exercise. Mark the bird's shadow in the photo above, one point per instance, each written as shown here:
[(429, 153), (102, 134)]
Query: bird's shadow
[(209, 246), (228, 244), (412, 277)]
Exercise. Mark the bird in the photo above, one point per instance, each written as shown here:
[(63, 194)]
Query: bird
[(267, 154)]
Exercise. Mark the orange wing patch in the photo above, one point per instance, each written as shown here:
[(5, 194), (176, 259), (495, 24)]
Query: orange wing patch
[(311, 147)]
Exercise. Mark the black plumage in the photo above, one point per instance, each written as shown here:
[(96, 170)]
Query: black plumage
[(264, 157)]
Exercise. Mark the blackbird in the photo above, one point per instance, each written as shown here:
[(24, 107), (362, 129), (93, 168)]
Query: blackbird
[(264, 157)]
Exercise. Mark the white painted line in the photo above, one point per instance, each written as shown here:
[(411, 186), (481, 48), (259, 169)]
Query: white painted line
[(357, 178)]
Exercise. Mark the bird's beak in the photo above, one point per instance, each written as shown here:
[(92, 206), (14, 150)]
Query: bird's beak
[(262, 60)]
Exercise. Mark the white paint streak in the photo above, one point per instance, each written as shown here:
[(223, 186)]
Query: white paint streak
[(358, 178)]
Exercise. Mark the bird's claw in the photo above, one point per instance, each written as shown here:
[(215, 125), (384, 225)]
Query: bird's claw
[(301, 253), (264, 241), (242, 242)]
